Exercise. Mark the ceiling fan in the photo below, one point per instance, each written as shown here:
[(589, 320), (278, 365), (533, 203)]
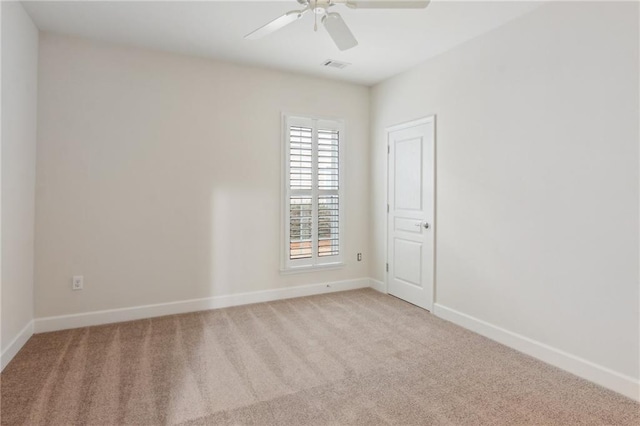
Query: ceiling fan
[(332, 21)]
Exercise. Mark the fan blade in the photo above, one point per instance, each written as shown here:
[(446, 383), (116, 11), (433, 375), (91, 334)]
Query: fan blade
[(276, 24), (387, 4), (339, 32)]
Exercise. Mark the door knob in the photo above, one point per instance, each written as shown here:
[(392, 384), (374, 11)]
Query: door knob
[(425, 224)]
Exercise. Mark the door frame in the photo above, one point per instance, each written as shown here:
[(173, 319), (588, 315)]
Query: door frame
[(388, 130)]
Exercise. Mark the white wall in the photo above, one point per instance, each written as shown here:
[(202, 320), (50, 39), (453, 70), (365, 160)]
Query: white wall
[(19, 84), (537, 177), (159, 176)]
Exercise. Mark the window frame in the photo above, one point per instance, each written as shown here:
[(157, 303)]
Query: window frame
[(315, 262)]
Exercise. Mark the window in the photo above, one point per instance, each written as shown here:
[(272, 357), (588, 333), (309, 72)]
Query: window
[(313, 188)]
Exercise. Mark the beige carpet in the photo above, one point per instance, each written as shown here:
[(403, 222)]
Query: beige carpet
[(356, 357)]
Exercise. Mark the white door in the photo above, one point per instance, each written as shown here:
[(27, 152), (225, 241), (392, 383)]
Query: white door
[(410, 221)]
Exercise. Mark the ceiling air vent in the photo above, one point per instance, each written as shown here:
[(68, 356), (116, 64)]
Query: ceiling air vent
[(330, 63)]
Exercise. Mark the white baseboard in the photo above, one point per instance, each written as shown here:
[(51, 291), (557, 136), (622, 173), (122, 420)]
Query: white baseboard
[(86, 319), (588, 370), (378, 285), (16, 344)]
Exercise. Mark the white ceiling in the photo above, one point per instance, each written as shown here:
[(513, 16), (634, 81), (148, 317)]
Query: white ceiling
[(391, 41)]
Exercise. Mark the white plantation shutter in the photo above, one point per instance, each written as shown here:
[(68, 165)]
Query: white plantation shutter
[(328, 226), (313, 212), (300, 157), (328, 159), (301, 224), (328, 188)]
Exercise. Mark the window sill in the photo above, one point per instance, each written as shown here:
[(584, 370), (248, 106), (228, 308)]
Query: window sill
[(303, 269)]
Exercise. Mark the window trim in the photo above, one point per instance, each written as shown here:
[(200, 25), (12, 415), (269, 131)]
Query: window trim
[(316, 263)]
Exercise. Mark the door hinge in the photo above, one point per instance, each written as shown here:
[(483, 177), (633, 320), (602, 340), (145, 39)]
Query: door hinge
[(387, 267), (387, 208), (388, 149)]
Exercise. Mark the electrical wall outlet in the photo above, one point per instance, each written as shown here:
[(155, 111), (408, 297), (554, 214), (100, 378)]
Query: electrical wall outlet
[(77, 283), (359, 257)]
